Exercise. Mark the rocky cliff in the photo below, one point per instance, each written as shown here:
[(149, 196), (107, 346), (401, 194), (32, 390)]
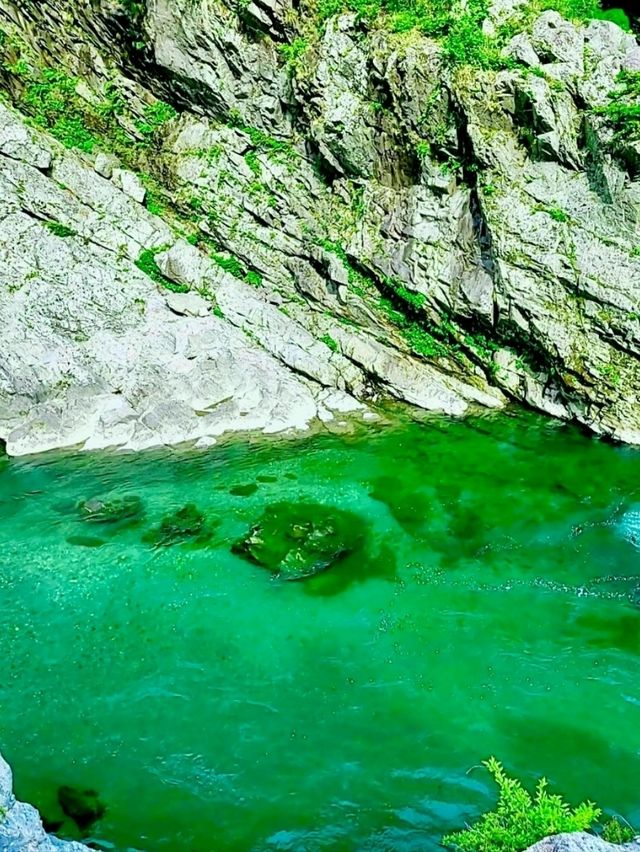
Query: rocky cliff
[(262, 214)]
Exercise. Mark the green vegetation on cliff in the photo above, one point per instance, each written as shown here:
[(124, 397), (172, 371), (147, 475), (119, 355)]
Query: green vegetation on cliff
[(459, 26)]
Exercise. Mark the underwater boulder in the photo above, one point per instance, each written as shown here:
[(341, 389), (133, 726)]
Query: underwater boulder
[(110, 510), (85, 541), (295, 541), (243, 490), (82, 806), (184, 524)]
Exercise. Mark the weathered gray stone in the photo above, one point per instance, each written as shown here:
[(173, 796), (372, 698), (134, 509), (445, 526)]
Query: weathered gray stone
[(105, 164), (129, 183), (98, 357), (21, 143), (580, 842), (187, 304)]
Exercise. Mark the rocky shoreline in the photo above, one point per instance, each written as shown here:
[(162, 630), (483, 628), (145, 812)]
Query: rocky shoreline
[(21, 828)]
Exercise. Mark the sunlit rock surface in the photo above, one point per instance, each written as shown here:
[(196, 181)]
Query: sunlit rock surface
[(363, 223)]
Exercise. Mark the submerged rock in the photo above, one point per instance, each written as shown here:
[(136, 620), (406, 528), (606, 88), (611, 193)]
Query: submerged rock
[(243, 490), (109, 510), (183, 524), (85, 541), (82, 806), (297, 541)]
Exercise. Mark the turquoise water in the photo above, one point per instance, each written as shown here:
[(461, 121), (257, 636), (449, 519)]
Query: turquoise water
[(494, 609)]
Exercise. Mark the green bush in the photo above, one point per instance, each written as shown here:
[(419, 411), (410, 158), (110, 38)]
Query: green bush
[(155, 116), (616, 16), (615, 832), (521, 819), (574, 10), (53, 104), (461, 32), (623, 110), (230, 264)]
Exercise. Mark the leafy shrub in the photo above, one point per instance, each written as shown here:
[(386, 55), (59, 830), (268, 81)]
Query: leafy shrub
[(254, 278), (458, 26), (155, 116), (423, 343), (623, 111), (573, 9), (615, 832), (293, 53), (230, 264), (616, 16), (521, 819)]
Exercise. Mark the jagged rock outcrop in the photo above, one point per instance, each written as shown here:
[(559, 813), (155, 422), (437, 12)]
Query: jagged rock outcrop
[(20, 824), (581, 842), (366, 219)]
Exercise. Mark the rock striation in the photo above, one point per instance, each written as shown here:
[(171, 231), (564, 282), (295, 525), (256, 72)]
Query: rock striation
[(245, 221)]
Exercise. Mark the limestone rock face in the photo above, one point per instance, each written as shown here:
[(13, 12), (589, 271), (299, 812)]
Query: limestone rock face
[(270, 226), (580, 842), (20, 824)]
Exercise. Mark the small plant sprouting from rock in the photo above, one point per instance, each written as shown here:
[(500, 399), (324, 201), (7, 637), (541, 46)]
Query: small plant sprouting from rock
[(520, 819), (556, 213), (234, 267), (155, 116), (330, 342), (294, 52), (623, 110), (51, 100), (230, 264), (60, 230), (254, 278)]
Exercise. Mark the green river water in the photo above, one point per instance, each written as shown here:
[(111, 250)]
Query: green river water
[(494, 610)]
